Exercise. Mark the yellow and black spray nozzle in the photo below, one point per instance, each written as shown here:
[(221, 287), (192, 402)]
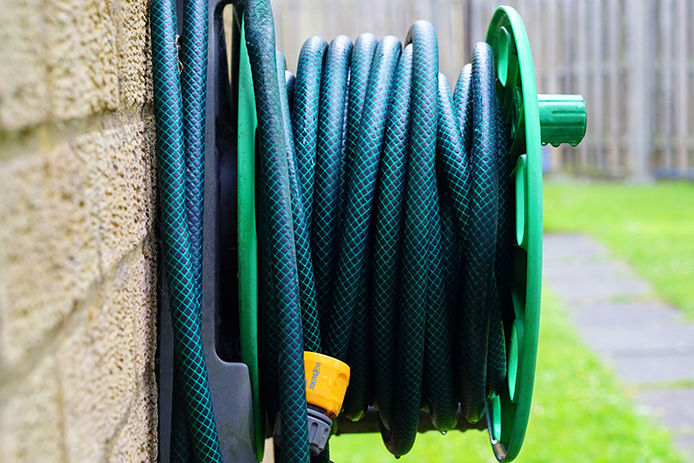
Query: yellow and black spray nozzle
[(326, 383)]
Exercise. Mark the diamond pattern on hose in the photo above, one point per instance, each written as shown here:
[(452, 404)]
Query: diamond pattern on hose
[(328, 173), (388, 242), (305, 115), (478, 298), (304, 263), (181, 206), (403, 191), (281, 274)]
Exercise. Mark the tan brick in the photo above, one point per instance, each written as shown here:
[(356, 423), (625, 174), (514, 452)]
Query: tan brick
[(23, 83), (77, 283), (97, 367), (134, 56), (49, 243), (145, 319), (30, 418), (126, 198), (137, 440), (81, 57), (66, 217), (4, 298), (59, 61)]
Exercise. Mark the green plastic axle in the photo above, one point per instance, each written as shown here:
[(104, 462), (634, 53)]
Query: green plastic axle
[(562, 119)]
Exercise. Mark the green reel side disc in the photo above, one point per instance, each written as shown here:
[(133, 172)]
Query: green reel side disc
[(535, 120)]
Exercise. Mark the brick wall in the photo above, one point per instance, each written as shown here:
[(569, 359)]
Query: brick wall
[(77, 251)]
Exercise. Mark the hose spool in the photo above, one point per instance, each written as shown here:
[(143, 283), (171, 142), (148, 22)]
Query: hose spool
[(415, 260)]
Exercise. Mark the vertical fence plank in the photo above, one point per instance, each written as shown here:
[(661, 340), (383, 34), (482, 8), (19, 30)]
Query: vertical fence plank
[(553, 69), (537, 43), (640, 90), (567, 52), (664, 132), (455, 23), (597, 78), (552, 64), (476, 28), (614, 132), (628, 90), (581, 67), (682, 105)]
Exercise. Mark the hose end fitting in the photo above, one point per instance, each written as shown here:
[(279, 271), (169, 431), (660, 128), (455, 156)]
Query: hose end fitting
[(326, 384), (318, 430), (319, 425)]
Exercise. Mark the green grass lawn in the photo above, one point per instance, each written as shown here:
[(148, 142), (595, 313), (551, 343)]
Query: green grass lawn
[(580, 414), (649, 226)]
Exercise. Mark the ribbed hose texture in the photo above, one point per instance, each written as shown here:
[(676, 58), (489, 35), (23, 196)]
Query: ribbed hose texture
[(180, 149), (385, 228)]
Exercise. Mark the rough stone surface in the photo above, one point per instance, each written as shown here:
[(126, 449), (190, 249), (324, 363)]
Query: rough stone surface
[(648, 343), (125, 175), (134, 59), (130, 444), (51, 251), (24, 86), (59, 61), (71, 215), (99, 391), (80, 57), (30, 416), (77, 252)]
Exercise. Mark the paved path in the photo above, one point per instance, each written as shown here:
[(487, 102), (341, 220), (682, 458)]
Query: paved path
[(648, 343)]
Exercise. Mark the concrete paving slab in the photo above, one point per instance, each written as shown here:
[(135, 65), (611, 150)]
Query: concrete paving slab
[(675, 407), (648, 343), (651, 369), (666, 335)]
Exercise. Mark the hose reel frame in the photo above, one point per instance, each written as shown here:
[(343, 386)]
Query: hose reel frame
[(507, 415), (231, 111)]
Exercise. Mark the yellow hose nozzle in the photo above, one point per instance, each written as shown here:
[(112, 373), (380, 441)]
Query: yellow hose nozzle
[(326, 382)]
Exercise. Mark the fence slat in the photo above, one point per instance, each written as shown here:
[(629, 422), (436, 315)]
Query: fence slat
[(682, 134), (639, 41), (666, 69), (597, 71), (581, 66), (615, 101)]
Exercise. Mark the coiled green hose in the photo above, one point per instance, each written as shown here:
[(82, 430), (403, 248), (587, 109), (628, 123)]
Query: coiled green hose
[(180, 124), (383, 215), (385, 228)]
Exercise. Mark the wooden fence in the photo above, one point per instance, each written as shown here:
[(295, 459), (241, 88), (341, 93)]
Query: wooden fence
[(631, 60)]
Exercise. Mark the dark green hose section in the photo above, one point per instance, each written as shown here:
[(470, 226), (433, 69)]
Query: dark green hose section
[(180, 149), (281, 302), (385, 228)]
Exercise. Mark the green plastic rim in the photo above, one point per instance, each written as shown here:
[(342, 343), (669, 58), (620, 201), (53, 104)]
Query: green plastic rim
[(247, 238), (518, 96)]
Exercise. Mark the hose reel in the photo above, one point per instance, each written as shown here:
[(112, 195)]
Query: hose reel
[(531, 121)]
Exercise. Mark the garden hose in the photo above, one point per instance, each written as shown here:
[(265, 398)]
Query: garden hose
[(399, 230), (385, 229), (180, 125)]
